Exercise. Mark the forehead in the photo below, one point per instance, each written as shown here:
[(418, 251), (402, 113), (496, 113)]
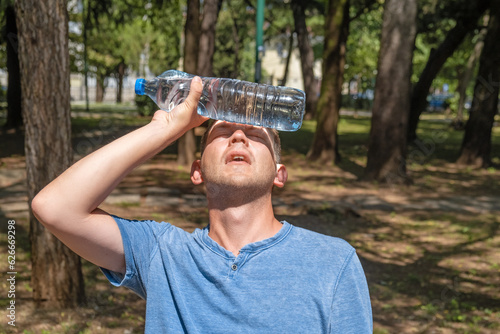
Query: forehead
[(231, 127)]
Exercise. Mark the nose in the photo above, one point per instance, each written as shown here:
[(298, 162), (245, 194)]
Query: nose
[(239, 136)]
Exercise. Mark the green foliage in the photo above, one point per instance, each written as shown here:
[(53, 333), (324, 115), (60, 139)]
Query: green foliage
[(167, 23), (145, 106), (363, 47), (3, 38), (435, 20), (235, 45), (279, 18), (124, 31)]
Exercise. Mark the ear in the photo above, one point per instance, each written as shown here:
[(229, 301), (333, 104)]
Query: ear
[(281, 176), (196, 176)]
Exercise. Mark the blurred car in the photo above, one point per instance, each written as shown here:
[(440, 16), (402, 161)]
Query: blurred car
[(438, 102)]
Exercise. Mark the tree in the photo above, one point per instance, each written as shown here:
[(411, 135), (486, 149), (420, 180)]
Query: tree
[(199, 49), (119, 32), (56, 278), (186, 145), (206, 50), (387, 147), (467, 14), (467, 74), (287, 62), (362, 46), (325, 145), (306, 55), (476, 145), (164, 38), (235, 32), (103, 52), (14, 115)]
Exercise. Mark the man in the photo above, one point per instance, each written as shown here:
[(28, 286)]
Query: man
[(246, 272)]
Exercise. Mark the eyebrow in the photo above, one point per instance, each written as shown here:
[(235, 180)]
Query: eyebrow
[(224, 125), (230, 124), (243, 127)]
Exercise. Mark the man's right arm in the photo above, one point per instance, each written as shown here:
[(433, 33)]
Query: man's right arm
[(68, 206)]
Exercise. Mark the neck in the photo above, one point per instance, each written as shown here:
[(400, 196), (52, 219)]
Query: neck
[(235, 225)]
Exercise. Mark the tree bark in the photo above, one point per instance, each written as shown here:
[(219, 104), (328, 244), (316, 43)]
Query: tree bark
[(56, 276), (207, 37), (14, 112), (325, 145), (287, 62), (99, 88), (436, 60), (476, 146), (466, 77), (186, 145), (119, 84), (306, 57), (387, 148)]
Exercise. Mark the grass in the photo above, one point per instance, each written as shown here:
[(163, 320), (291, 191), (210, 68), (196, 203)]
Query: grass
[(430, 250)]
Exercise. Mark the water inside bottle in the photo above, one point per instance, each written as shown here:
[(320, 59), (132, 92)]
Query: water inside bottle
[(237, 101)]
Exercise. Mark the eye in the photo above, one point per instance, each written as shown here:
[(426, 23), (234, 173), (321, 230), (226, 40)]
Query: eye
[(259, 137), (219, 133), (255, 133)]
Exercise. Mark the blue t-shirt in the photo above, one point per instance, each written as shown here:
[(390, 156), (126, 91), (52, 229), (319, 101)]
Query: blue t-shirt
[(297, 281)]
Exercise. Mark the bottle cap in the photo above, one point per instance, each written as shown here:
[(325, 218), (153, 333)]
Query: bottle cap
[(139, 86)]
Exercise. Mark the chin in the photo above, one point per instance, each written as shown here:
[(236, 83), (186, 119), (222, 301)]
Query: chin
[(237, 185)]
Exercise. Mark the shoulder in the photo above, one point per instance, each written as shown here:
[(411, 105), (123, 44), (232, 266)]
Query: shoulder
[(310, 238), (319, 250), (138, 229)]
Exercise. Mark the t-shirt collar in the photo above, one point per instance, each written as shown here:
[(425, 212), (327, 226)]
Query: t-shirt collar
[(254, 247)]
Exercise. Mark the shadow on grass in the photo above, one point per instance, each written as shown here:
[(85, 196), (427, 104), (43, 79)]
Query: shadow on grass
[(350, 166)]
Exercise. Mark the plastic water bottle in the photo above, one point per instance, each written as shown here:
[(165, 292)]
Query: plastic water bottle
[(230, 100)]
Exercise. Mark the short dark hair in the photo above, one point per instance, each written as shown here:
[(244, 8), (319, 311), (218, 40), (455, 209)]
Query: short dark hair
[(273, 132)]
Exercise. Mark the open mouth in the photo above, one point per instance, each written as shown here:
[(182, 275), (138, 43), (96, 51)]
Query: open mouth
[(237, 157)]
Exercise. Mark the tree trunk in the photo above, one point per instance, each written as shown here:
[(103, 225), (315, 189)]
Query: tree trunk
[(387, 148), (207, 37), (476, 146), (119, 85), (287, 62), (325, 146), (99, 88), (56, 276), (306, 57), (436, 60), (466, 77), (186, 145), (14, 115)]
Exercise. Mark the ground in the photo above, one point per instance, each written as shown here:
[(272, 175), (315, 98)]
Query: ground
[(430, 250)]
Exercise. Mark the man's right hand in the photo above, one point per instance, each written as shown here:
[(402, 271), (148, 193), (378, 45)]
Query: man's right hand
[(182, 115), (68, 206)]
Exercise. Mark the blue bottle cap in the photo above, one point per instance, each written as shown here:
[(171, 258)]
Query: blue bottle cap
[(139, 86)]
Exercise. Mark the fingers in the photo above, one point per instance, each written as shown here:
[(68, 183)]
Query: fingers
[(188, 109), (195, 91), (185, 114)]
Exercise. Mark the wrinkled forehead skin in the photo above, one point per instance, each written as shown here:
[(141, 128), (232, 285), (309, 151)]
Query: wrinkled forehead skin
[(272, 134)]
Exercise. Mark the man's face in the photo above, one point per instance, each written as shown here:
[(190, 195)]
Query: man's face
[(239, 156)]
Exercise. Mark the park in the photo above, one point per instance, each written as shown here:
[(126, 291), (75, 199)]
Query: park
[(412, 185)]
